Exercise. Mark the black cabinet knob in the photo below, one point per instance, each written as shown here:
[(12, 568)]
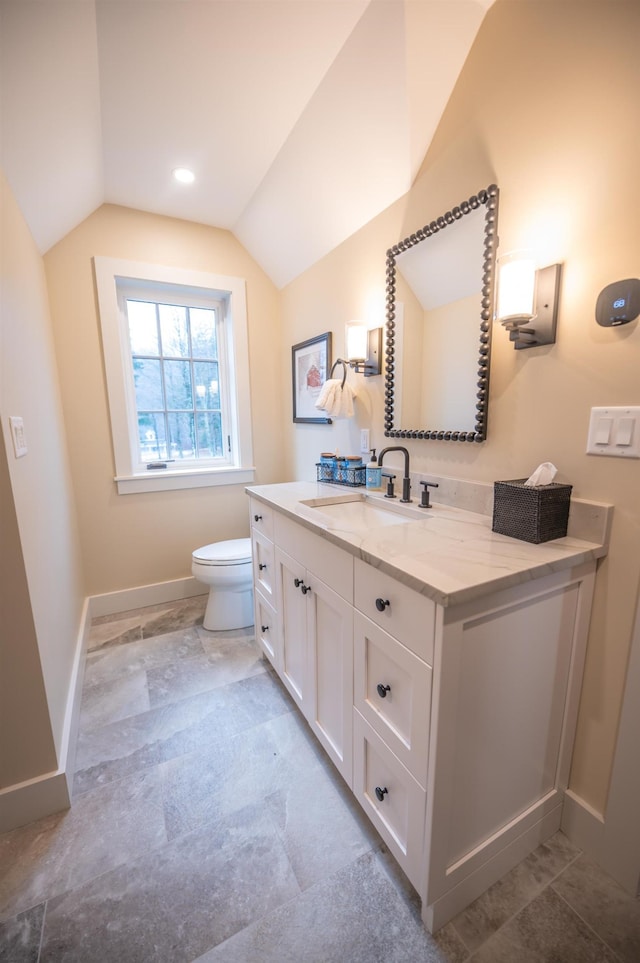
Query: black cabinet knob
[(257, 518), (381, 793), (381, 604), (262, 565), (382, 690), (297, 582), (305, 588), (264, 628)]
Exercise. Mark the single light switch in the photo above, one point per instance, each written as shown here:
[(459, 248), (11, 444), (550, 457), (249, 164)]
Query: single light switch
[(603, 431), (624, 434), (614, 432), (18, 436)]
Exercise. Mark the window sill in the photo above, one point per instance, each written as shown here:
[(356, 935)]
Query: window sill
[(163, 480)]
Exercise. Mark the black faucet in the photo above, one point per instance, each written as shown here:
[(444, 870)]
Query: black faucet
[(406, 481)]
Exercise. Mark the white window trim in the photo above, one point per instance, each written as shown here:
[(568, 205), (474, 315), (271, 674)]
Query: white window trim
[(116, 354)]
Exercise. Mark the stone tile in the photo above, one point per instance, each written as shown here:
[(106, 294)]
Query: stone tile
[(20, 936), (175, 903), (182, 614), (232, 772), (355, 916), (207, 719), (450, 944), (311, 810), (103, 635), (545, 931), (506, 897), (612, 912), (227, 660), (116, 699), (116, 662), (103, 829)]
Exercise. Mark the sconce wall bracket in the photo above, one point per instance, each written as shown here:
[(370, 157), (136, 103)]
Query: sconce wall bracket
[(542, 327), (372, 364)]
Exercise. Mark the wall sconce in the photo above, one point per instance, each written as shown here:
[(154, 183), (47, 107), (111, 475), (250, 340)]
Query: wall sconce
[(363, 348), (527, 300)]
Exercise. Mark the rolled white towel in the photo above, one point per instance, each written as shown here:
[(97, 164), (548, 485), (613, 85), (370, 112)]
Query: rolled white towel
[(336, 399)]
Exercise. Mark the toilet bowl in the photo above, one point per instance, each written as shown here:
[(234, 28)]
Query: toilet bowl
[(226, 568)]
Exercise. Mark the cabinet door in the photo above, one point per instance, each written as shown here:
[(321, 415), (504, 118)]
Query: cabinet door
[(392, 690), (266, 629), (391, 798), (330, 639), (292, 610), (263, 564)]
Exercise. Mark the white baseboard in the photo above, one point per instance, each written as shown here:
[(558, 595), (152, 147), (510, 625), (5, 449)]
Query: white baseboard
[(110, 603), (26, 801), (583, 825)]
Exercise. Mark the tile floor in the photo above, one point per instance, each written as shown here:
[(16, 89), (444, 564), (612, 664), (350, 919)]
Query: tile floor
[(208, 825)]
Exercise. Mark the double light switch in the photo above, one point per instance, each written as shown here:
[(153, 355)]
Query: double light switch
[(614, 432)]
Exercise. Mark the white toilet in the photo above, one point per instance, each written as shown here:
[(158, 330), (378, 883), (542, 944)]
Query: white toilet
[(226, 568)]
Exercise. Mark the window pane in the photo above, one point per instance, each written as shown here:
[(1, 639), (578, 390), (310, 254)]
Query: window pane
[(143, 329), (151, 435), (181, 434), (148, 383), (174, 331), (205, 374), (177, 379), (203, 333), (210, 434)]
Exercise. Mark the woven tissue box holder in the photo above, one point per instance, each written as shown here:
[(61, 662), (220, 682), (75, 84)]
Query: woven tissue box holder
[(531, 513)]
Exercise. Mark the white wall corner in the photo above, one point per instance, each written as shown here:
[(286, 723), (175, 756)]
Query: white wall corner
[(583, 825)]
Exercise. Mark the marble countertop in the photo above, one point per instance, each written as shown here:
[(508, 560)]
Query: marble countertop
[(447, 553)]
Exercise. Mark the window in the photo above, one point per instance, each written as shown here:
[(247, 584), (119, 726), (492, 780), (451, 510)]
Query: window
[(175, 346)]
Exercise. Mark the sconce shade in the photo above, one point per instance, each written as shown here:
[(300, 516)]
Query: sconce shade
[(515, 303), (356, 338)]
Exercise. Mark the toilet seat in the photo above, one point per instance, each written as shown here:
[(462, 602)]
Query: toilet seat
[(236, 551)]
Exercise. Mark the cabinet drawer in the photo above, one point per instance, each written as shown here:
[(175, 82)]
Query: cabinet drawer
[(261, 517), (264, 571), (333, 565), (266, 627), (391, 797), (392, 691), (400, 611)]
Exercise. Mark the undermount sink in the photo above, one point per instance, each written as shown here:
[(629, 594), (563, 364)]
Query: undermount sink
[(359, 512)]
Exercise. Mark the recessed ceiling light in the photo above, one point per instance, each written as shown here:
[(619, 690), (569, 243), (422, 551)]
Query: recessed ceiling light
[(184, 175)]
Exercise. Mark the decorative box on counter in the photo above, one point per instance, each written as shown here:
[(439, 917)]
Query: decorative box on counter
[(532, 513), (347, 470)]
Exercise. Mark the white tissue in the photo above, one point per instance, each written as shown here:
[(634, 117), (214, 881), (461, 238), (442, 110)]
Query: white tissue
[(543, 475)]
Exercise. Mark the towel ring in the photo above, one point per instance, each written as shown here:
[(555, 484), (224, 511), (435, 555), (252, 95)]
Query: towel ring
[(344, 366)]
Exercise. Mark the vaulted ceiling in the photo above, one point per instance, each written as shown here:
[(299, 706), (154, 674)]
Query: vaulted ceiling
[(301, 119)]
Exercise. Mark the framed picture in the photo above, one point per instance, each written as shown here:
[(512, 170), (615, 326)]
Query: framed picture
[(310, 365)]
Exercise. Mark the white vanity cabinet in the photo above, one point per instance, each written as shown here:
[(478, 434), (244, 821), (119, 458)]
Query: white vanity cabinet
[(452, 723), (313, 587)]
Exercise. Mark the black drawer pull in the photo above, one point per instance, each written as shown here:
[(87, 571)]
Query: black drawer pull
[(305, 588), (262, 565), (264, 628), (297, 582), (382, 690), (257, 518), (381, 793), (381, 604)]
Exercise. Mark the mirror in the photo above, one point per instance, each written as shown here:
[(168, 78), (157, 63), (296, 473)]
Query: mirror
[(440, 284)]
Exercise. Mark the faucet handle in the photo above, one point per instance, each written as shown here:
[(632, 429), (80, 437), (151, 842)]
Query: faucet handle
[(391, 477), (424, 503)]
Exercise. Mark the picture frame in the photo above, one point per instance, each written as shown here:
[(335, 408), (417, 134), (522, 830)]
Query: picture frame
[(310, 366)]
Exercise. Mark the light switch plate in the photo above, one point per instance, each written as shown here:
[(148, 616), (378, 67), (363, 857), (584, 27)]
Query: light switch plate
[(18, 436), (364, 440), (614, 432)]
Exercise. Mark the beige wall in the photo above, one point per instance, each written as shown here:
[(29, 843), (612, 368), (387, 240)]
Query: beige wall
[(546, 107), (139, 539), (42, 590)]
